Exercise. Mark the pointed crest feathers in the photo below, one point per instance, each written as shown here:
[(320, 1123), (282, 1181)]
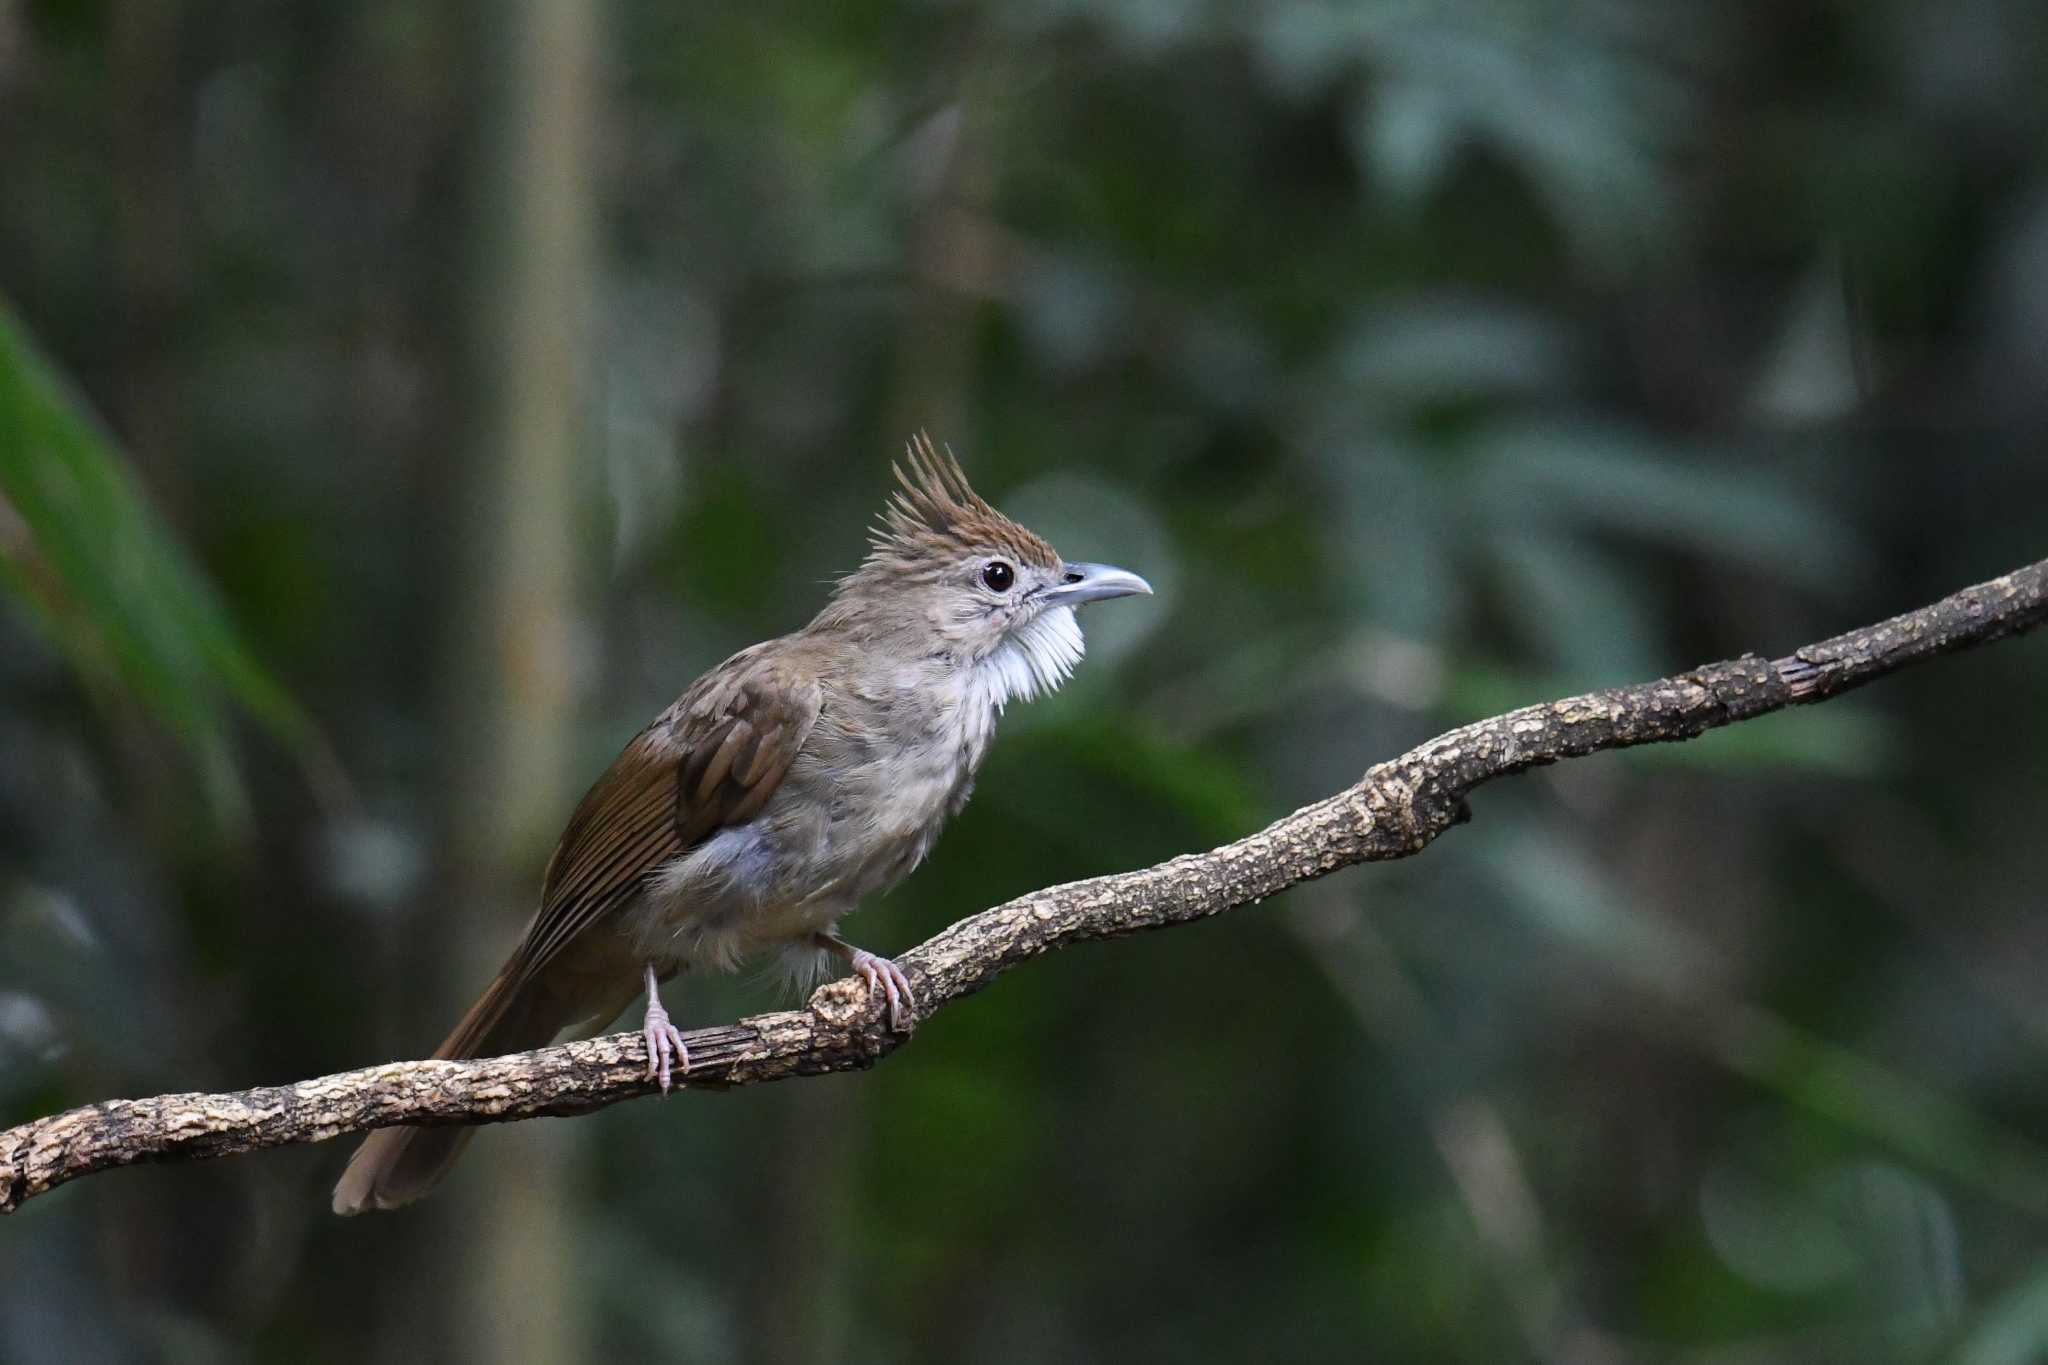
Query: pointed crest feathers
[(937, 512), (935, 493)]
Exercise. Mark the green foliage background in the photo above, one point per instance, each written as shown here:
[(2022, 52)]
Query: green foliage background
[(1430, 358)]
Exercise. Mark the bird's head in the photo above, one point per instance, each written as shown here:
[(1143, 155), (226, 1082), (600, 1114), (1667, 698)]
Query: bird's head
[(949, 575)]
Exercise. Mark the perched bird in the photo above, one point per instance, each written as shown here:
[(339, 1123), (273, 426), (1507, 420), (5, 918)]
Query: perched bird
[(784, 786)]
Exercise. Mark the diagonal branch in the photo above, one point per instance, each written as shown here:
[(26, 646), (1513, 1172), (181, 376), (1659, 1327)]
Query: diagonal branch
[(1395, 810)]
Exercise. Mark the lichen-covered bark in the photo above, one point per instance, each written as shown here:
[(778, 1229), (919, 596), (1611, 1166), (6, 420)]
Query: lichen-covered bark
[(1395, 810)]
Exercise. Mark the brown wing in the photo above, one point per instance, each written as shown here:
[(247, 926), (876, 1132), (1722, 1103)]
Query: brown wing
[(710, 761)]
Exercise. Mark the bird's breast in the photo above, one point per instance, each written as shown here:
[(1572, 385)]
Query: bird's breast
[(858, 811), (894, 772)]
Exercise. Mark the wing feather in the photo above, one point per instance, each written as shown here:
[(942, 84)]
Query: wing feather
[(709, 762)]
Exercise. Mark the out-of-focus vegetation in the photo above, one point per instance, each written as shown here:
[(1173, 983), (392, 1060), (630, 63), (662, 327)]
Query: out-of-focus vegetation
[(1429, 358), (85, 554)]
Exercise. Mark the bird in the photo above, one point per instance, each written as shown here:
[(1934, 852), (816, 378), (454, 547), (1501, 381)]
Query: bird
[(781, 789)]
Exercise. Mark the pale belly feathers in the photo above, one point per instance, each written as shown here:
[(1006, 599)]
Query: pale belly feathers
[(856, 813)]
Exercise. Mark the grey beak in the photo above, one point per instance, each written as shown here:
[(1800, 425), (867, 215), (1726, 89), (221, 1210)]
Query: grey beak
[(1095, 582)]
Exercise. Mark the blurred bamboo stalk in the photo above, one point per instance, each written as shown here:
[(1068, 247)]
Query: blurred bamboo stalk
[(511, 630)]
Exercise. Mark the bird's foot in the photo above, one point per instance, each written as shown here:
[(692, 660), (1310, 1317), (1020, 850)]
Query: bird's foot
[(887, 979), (664, 1045)]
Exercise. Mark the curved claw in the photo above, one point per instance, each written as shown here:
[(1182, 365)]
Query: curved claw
[(664, 1045), (885, 977)]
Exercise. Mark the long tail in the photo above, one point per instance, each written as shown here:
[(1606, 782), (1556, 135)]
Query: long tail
[(395, 1166)]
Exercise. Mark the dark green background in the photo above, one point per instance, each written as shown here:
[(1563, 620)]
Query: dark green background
[(1431, 358)]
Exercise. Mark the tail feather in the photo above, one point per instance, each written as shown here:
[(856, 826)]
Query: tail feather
[(395, 1166)]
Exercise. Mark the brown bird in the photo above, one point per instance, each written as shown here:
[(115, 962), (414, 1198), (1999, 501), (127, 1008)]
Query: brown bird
[(784, 786)]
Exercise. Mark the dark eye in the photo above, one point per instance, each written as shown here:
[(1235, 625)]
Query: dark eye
[(997, 576)]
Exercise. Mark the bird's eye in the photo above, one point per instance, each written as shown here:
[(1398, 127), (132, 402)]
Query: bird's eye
[(997, 576)]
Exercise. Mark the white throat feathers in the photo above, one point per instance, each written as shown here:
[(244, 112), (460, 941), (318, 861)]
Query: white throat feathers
[(1035, 657)]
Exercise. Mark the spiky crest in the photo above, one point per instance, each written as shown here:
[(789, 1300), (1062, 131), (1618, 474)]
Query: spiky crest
[(936, 515)]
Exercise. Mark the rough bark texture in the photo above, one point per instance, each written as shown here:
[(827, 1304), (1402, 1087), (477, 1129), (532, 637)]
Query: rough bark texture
[(1395, 810)]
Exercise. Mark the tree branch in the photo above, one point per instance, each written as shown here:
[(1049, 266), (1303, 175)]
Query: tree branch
[(1395, 810)]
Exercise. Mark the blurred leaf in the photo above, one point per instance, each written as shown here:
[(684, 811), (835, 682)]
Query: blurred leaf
[(1598, 624), (1812, 375), (1567, 96), (1407, 135), (1774, 1233), (1883, 1229), (1936, 1129), (1630, 482), (1568, 896), (1436, 348), (96, 567), (2014, 1330), (1398, 528)]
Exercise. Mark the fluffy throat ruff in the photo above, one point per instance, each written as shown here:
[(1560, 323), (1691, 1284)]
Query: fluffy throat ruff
[(1035, 657)]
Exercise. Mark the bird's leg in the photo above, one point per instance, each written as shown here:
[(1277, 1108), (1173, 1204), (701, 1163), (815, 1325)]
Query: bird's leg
[(880, 973), (664, 1043)]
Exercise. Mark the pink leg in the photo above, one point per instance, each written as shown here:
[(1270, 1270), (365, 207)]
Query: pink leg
[(883, 977), (664, 1042)]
